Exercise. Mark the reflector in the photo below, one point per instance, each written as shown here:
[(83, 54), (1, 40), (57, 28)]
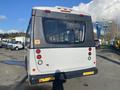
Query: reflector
[(33, 69)]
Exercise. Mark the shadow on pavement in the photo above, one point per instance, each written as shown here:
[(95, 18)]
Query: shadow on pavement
[(60, 79), (13, 62), (25, 86), (113, 61), (40, 87), (111, 49), (57, 84)]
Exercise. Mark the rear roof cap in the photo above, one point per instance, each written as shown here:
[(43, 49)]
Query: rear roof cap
[(61, 10)]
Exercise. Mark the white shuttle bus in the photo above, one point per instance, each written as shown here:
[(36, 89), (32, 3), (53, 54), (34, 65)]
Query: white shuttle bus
[(59, 40)]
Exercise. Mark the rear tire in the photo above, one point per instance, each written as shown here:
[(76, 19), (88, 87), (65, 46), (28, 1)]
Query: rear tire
[(16, 48)]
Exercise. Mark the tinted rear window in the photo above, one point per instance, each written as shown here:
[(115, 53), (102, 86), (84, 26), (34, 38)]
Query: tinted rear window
[(58, 31)]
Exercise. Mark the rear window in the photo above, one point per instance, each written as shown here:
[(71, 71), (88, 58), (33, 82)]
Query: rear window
[(58, 31)]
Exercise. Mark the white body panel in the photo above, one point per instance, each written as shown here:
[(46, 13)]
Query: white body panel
[(20, 46), (62, 59), (59, 8)]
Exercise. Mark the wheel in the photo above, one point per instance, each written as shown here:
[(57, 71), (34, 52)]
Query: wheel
[(16, 48)]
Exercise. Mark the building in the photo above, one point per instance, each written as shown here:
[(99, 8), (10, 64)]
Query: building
[(21, 39)]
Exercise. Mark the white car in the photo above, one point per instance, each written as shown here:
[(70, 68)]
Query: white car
[(16, 46)]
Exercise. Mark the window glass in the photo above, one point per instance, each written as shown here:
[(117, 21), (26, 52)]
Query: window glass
[(63, 32), (28, 33)]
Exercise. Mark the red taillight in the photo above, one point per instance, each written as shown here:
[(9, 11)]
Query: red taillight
[(89, 53), (47, 11), (90, 49), (39, 56), (38, 51)]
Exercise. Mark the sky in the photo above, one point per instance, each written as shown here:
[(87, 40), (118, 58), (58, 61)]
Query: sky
[(101, 9), (15, 14)]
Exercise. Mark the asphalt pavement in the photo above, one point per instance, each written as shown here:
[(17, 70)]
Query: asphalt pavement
[(108, 77)]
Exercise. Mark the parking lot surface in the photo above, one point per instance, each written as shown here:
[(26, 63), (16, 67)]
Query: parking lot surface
[(108, 77)]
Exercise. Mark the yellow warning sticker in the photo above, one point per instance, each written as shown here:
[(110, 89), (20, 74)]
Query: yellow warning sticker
[(37, 42)]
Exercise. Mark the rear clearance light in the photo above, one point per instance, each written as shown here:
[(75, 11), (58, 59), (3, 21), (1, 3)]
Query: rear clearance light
[(39, 56), (58, 8), (67, 11), (82, 15), (38, 51), (47, 11)]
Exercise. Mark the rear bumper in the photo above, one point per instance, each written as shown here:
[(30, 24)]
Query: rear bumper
[(34, 79)]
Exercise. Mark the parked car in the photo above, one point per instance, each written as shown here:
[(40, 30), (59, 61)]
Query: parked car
[(8, 46), (97, 43), (0, 44), (15, 45), (4, 44)]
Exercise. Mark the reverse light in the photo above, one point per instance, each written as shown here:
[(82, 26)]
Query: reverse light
[(89, 58), (40, 62)]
